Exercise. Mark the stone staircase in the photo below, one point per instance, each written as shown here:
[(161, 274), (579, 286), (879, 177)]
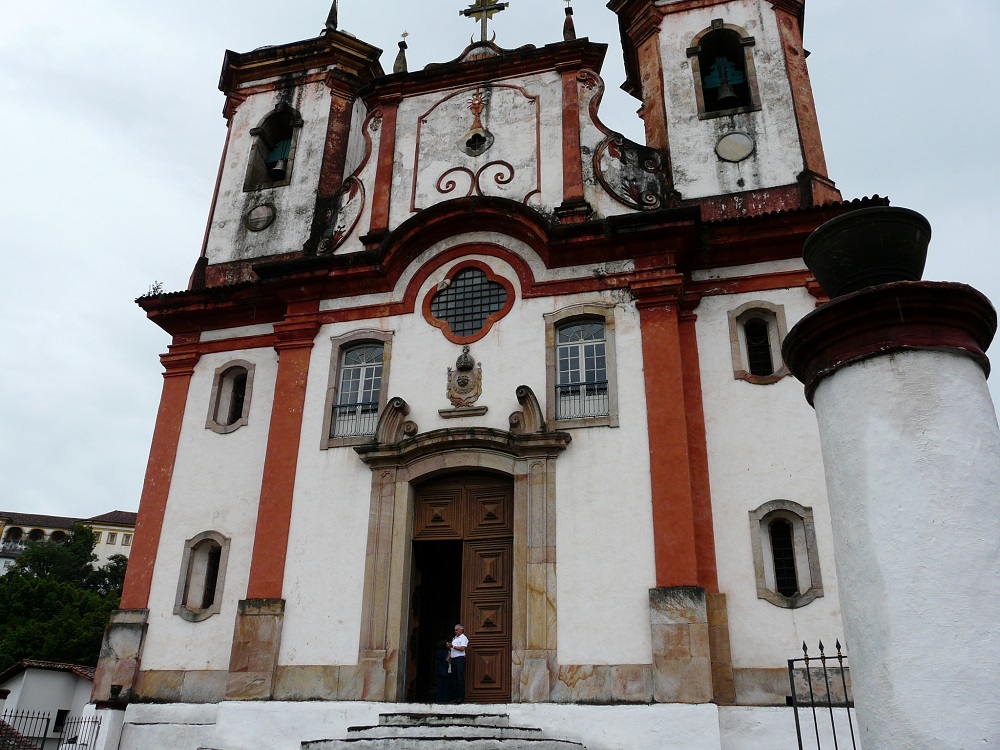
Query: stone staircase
[(458, 731)]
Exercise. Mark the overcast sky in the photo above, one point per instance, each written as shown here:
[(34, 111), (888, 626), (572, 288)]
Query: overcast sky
[(111, 120)]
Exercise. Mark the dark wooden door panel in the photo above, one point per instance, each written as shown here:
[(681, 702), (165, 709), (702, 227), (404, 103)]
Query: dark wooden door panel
[(479, 510), (438, 514), (487, 676), (488, 512), (487, 568)]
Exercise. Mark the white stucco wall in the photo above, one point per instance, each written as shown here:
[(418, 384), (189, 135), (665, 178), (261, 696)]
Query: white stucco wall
[(763, 445), (215, 487), (698, 172), (295, 203), (912, 454), (596, 517), (47, 691)]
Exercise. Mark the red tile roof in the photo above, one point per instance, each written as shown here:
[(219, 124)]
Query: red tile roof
[(11, 739), (36, 519), (80, 670), (118, 517)]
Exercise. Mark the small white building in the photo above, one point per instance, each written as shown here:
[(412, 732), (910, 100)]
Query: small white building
[(39, 700)]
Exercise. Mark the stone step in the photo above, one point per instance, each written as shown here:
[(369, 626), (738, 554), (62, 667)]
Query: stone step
[(459, 731), (443, 741), (427, 719)]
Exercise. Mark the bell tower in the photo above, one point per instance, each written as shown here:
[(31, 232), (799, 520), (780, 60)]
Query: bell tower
[(725, 92)]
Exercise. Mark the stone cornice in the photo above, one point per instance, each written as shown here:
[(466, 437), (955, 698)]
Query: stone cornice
[(905, 315), (487, 439)]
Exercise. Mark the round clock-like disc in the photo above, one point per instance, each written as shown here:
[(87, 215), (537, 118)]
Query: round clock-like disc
[(735, 146)]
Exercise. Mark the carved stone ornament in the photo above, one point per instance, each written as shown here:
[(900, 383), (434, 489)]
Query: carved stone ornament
[(341, 215), (465, 382), (634, 175)]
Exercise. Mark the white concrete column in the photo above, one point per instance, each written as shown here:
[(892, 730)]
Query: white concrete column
[(911, 448)]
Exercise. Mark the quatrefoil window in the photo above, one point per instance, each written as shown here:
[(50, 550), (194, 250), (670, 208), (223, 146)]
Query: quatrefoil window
[(467, 303)]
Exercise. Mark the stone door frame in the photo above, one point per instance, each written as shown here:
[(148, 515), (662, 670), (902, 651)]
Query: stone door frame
[(401, 458)]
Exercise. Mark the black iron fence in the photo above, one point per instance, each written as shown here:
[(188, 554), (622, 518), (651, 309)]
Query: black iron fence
[(821, 697), (36, 730)]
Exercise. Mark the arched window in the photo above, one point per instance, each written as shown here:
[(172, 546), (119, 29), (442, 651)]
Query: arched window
[(273, 150), (58, 537), (582, 370), (359, 391), (724, 76), (580, 366), (756, 330), (786, 561), (13, 539), (36, 535), (356, 391), (229, 408), (203, 566)]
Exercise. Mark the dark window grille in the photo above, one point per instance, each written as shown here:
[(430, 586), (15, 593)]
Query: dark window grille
[(238, 396), (758, 339), (468, 301), (582, 371), (356, 411), (786, 580)]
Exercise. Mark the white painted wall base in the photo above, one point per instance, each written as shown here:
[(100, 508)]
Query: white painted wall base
[(251, 725)]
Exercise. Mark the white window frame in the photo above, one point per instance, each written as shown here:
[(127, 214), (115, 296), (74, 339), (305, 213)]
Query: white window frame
[(566, 316), (339, 345), (774, 316), (807, 568)]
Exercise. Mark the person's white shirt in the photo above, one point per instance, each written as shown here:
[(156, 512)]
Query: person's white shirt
[(459, 640)]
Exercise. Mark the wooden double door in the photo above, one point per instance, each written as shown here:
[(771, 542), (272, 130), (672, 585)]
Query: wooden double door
[(462, 573)]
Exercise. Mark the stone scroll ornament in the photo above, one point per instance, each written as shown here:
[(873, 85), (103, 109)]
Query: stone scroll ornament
[(341, 215), (634, 175), (465, 382)]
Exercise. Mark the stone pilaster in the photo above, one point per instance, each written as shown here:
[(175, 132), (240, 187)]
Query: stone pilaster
[(256, 640), (682, 661), (121, 651)]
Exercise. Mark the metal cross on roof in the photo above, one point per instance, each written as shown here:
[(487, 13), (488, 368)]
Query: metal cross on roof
[(484, 11)]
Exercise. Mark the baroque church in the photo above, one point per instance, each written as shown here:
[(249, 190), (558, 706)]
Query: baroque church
[(454, 351)]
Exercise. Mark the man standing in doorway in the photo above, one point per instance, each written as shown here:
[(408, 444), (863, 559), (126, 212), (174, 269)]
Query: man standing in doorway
[(458, 646)]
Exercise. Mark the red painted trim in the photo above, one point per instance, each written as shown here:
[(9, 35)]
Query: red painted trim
[(820, 188), (295, 337), (572, 158), (674, 534), (338, 131), (179, 365), (491, 276), (382, 190), (746, 283), (240, 342), (701, 492)]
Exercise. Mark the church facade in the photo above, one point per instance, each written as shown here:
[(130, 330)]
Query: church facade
[(455, 351)]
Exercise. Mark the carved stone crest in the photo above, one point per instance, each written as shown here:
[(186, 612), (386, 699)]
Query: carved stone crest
[(465, 382)]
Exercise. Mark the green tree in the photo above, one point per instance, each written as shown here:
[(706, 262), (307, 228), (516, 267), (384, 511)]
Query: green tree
[(54, 604)]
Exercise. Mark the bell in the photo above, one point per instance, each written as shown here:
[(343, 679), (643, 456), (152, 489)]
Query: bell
[(277, 170), (726, 94)]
